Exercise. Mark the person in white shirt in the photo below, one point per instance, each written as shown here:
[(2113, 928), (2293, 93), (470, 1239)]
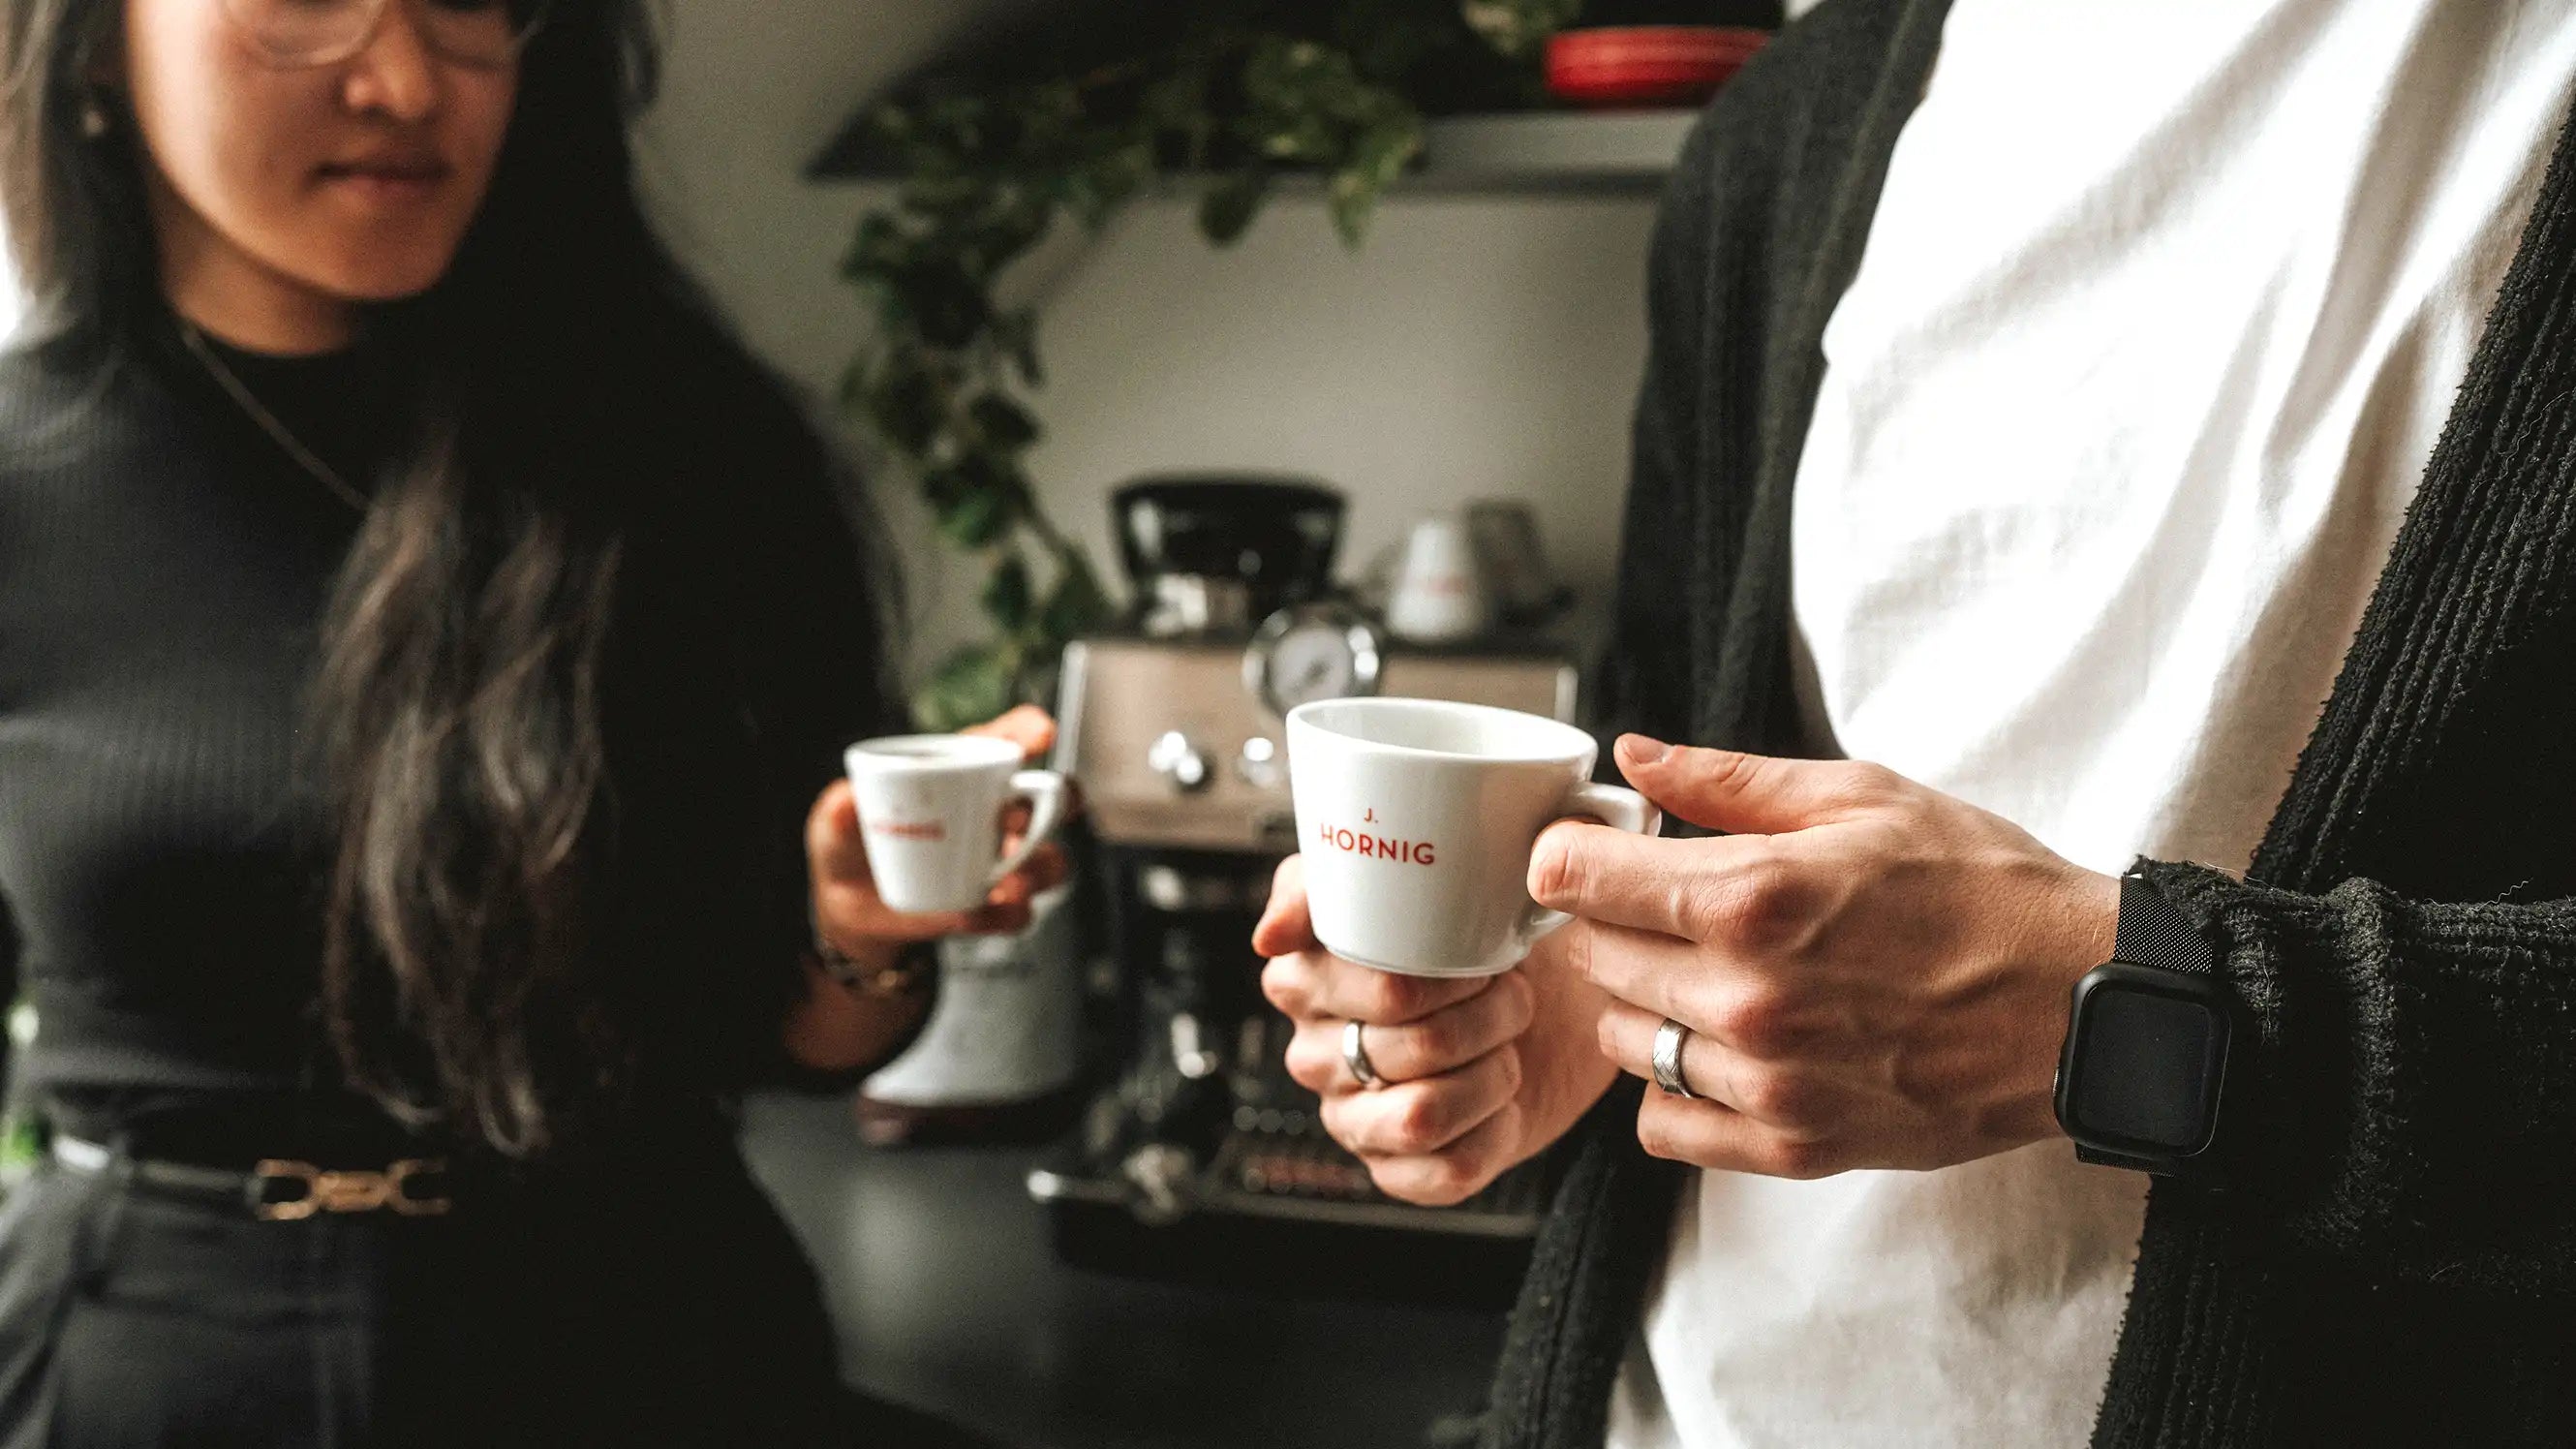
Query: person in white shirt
[(2174, 337)]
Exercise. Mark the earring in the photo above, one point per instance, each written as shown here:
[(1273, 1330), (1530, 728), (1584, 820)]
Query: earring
[(93, 117)]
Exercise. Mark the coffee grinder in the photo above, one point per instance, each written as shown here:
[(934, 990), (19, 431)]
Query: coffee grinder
[(1201, 1158)]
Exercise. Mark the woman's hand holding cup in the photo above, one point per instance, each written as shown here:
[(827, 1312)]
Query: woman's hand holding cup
[(850, 909), (839, 1027)]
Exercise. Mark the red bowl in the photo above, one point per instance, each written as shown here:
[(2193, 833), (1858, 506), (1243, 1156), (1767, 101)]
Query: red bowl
[(1647, 65), (1606, 43)]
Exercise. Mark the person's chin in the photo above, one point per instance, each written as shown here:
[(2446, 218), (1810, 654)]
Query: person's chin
[(382, 279)]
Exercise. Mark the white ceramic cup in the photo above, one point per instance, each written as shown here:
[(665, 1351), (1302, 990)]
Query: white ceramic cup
[(930, 811), (1416, 818)]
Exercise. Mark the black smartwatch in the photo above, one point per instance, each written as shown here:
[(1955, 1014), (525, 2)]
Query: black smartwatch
[(2145, 1060)]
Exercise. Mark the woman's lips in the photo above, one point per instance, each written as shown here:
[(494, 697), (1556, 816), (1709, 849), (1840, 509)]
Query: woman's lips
[(391, 181)]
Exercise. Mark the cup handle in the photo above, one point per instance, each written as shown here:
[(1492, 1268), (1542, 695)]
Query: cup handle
[(1045, 793), (1616, 806)]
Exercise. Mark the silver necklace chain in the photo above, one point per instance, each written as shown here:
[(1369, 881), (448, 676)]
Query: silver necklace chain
[(293, 446)]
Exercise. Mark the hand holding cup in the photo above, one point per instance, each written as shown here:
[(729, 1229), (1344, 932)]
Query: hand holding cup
[(1475, 1073), (852, 906), (1435, 1015)]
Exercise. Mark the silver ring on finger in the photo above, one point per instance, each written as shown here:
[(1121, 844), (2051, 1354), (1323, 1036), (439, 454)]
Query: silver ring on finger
[(1667, 1060), (1355, 1056)]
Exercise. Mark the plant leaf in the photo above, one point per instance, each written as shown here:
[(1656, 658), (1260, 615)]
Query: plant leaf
[(892, 122), (1387, 147), (1012, 222), (1376, 162), (1095, 189), (1008, 596), (975, 516), (1518, 27), (906, 402), (1177, 101), (1016, 336), (1075, 606), (1231, 202), (945, 193), (1005, 424), (878, 249), (969, 687), (944, 303)]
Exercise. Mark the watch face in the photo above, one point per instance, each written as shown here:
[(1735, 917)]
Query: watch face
[(2145, 1053), (1312, 652)]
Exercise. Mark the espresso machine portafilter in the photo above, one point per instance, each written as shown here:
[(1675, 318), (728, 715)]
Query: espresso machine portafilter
[(1201, 1158)]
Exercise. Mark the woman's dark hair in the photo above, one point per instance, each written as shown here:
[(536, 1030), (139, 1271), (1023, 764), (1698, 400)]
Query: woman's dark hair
[(563, 741)]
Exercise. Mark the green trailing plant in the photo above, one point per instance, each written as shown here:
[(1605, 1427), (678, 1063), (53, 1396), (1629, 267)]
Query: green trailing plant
[(1223, 99)]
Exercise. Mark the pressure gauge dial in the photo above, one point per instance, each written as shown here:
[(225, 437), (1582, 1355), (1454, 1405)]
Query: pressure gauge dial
[(1310, 652)]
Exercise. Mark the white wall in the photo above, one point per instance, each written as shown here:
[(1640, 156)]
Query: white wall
[(1475, 347), (750, 92)]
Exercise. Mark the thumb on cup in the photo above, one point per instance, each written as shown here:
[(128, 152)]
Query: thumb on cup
[(832, 839), (1285, 927), (1731, 791)]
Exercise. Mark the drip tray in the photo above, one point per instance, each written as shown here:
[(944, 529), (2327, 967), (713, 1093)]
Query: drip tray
[(1285, 1211)]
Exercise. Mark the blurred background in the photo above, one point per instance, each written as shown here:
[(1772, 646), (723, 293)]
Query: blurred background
[(1476, 344)]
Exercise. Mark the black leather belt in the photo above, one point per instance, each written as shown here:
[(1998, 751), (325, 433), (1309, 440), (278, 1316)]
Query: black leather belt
[(279, 1189)]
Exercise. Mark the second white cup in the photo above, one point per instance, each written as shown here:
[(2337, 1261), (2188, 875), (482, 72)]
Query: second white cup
[(930, 811)]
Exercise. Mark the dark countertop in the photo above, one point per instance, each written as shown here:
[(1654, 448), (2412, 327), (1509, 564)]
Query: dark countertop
[(937, 1267)]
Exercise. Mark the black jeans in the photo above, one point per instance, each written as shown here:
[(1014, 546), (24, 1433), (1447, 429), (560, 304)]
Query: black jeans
[(130, 1317)]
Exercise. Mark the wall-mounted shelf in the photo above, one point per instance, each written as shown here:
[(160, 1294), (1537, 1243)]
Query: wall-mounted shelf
[(1553, 151), (1537, 152)]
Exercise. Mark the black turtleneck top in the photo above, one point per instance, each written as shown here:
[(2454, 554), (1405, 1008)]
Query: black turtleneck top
[(164, 568)]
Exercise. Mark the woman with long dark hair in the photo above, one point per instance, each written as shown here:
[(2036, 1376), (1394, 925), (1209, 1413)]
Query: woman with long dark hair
[(426, 637)]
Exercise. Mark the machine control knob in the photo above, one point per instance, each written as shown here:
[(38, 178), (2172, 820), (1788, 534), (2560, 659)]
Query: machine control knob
[(1191, 1054), (1277, 830), (1161, 1173), (1178, 760), (1260, 765)]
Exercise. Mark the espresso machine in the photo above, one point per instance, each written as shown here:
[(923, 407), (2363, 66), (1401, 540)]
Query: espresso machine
[(1201, 1158)]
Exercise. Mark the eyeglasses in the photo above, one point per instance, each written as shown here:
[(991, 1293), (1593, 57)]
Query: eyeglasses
[(483, 33)]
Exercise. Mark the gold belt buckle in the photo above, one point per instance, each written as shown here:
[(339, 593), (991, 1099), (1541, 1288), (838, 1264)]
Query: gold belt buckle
[(336, 1190)]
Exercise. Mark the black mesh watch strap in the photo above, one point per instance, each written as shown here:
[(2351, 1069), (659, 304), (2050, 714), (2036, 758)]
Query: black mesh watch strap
[(2154, 932)]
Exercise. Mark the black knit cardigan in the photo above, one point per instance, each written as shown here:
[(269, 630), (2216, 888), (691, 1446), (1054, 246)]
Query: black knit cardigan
[(2392, 1259)]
